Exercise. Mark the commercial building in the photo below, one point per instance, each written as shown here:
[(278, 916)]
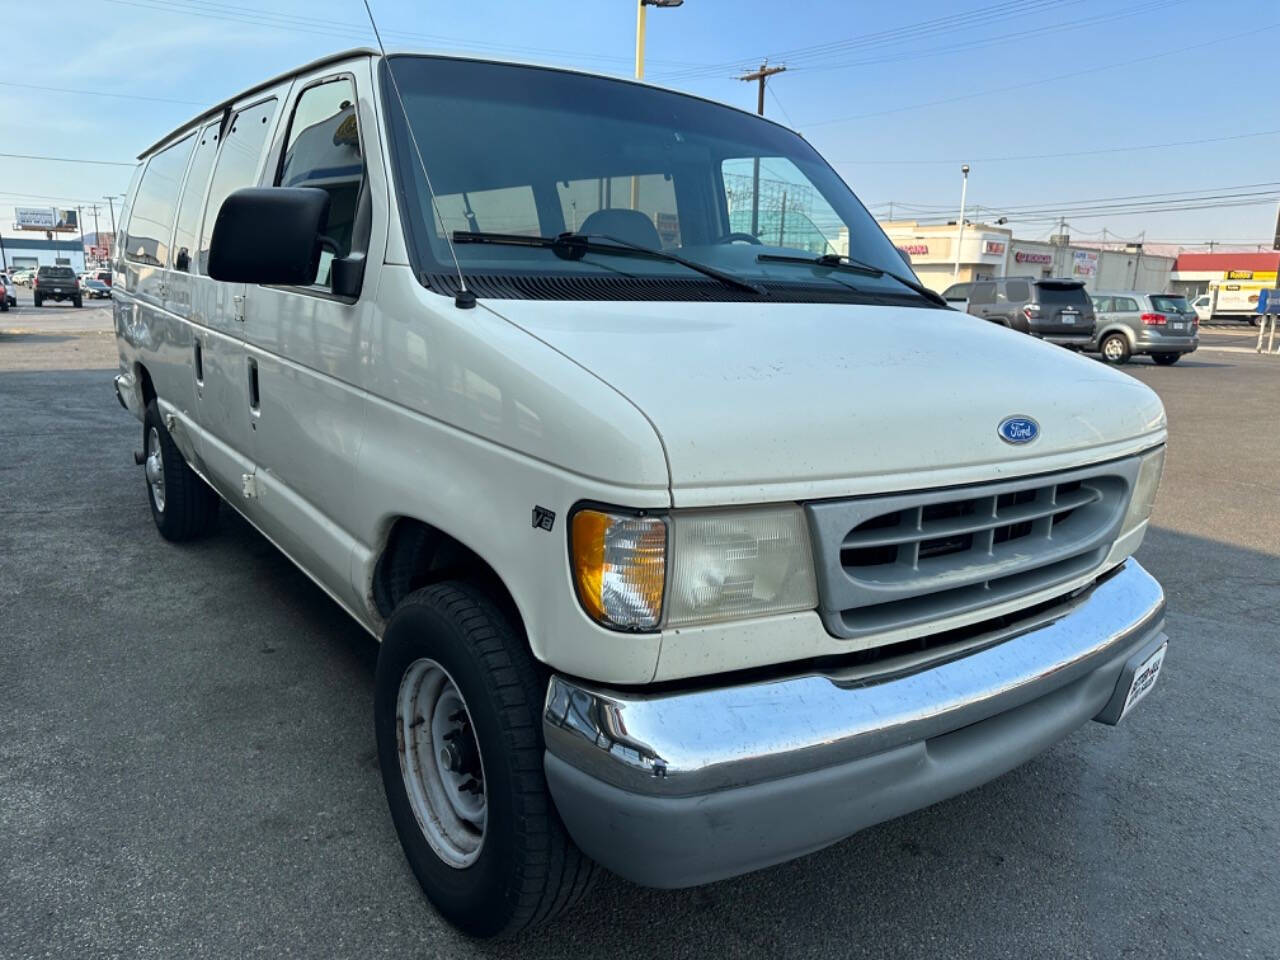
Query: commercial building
[(26, 249), (989, 250), (1196, 273)]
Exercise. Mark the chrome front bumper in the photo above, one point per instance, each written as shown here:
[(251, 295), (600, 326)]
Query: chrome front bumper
[(674, 789)]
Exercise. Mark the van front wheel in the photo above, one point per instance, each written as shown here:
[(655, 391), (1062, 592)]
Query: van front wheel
[(457, 714), (1114, 348)]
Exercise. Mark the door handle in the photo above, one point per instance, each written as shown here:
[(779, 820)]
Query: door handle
[(254, 399)]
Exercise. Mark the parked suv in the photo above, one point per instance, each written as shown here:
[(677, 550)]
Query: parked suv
[(1055, 310), (691, 549), (58, 284), (1130, 322)]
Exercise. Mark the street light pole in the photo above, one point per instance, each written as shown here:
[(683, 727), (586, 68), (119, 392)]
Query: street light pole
[(964, 190), (640, 31)]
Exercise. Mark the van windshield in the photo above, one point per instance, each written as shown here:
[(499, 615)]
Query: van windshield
[(539, 152)]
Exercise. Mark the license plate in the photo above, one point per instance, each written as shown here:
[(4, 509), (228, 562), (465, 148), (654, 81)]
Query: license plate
[(1177, 326), (57, 289), (1068, 318), (1144, 679)]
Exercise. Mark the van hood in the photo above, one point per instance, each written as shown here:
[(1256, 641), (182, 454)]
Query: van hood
[(758, 402)]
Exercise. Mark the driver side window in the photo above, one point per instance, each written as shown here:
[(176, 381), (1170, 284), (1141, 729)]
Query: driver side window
[(323, 150)]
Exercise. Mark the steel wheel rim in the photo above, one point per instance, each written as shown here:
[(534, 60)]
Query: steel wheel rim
[(440, 763), (1112, 349), (155, 468)]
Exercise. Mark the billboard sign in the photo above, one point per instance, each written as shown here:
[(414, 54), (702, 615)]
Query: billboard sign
[(46, 218), (33, 218)]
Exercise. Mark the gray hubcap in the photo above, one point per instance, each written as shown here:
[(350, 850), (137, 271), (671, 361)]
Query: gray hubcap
[(441, 764), (155, 468), (1113, 349)]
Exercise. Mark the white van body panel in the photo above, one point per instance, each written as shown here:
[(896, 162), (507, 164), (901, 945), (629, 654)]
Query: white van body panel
[(818, 400)]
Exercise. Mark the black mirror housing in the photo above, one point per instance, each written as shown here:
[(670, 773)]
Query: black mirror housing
[(269, 235)]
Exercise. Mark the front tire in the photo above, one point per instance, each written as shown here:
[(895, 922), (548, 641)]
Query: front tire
[(1114, 348), (39, 300), (182, 505), (1166, 359), (77, 302), (458, 718)]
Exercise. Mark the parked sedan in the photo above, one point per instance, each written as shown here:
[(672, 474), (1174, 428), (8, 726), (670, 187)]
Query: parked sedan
[(22, 277), (1130, 322), (95, 289)]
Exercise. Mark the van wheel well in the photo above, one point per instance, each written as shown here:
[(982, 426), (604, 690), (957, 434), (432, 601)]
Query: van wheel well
[(148, 388), (417, 554)]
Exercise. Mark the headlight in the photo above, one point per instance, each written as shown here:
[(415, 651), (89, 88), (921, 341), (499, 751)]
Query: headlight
[(619, 567), (692, 568), (1144, 491)]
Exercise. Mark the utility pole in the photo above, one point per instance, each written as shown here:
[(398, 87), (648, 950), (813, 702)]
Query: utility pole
[(112, 207), (97, 236), (760, 76)]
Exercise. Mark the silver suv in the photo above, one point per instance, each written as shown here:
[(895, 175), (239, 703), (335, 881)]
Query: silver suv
[(1130, 322)]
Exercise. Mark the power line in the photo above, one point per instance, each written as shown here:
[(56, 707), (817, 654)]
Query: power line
[(941, 25), (231, 13), (99, 93), (1033, 83), (100, 163), (1076, 153)]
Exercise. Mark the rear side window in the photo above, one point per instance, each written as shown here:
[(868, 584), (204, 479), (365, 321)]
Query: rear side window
[(957, 291), (1167, 304), (1127, 304), (1103, 304), (1018, 291), (151, 220), (237, 164), (323, 151), (982, 293), (184, 237)]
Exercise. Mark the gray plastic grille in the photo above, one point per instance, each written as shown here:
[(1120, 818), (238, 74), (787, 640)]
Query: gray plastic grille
[(906, 559)]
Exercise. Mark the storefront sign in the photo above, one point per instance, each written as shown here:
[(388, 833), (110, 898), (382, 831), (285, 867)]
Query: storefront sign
[(1026, 256), (1239, 275), (993, 246), (1084, 263), (915, 249)]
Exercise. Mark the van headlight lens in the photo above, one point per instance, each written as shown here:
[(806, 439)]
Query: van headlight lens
[(619, 567), (1144, 491), (705, 566)]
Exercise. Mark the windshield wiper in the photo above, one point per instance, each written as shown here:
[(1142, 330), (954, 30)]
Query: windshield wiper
[(572, 246), (842, 262)]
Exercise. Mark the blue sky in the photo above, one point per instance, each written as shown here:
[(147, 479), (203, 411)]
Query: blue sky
[(872, 86)]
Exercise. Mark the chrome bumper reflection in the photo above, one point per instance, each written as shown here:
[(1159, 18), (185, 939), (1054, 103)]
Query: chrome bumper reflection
[(689, 742)]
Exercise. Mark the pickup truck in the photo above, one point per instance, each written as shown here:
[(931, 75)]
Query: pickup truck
[(57, 284), (690, 549)]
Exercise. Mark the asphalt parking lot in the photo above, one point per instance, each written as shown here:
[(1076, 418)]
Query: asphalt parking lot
[(187, 763)]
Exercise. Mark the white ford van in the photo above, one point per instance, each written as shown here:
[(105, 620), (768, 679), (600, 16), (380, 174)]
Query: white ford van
[(696, 533)]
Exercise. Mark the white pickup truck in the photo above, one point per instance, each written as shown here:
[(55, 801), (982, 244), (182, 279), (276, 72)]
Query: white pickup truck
[(690, 550)]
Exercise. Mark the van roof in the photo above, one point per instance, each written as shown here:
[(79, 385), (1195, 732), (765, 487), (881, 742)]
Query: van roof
[(218, 108), (355, 52)]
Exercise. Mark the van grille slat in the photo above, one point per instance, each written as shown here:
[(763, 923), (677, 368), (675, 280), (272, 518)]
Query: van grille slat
[(901, 560), (865, 536)]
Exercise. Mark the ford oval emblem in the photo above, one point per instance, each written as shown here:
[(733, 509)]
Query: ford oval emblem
[(1018, 429)]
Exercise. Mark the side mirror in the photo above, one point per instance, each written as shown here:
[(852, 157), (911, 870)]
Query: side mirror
[(269, 235)]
